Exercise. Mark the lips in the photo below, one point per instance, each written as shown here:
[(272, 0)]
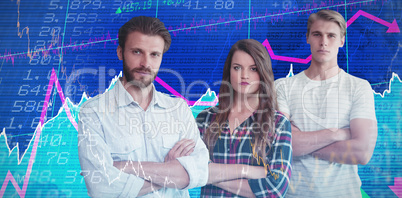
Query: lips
[(323, 51), (142, 71), (244, 83)]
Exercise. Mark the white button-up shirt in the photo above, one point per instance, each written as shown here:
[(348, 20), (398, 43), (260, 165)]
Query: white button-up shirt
[(113, 127)]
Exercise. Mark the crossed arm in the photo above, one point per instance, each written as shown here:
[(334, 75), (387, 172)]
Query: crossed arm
[(354, 145), (234, 177), (270, 179), (108, 178), (170, 173)]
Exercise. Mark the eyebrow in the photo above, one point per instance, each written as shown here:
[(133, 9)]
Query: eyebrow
[(134, 48), (142, 51), (237, 64), (313, 32), (319, 32)]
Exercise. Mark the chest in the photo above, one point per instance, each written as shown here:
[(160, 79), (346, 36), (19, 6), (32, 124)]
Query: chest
[(141, 136), (320, 105), (233, 149)]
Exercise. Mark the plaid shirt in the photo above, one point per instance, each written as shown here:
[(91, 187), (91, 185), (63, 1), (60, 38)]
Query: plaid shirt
[(237, 149)]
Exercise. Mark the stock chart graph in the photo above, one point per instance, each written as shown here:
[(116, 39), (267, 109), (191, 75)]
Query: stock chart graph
[(57, 54)]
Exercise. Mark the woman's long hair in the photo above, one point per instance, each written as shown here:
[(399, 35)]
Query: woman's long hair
[(264, 123)]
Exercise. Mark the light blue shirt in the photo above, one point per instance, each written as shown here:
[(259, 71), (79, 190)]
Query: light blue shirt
[(113, 127)]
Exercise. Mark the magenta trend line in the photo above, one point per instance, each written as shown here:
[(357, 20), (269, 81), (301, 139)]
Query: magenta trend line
[(284, 58), (174, 92), (9, 176), (392, 27), (171, 90)]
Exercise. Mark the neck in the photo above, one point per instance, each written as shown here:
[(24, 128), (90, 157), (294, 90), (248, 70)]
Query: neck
[(322, 72), (245, 103), (142, 95)]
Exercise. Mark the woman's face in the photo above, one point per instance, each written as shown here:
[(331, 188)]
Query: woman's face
[(244, 75)]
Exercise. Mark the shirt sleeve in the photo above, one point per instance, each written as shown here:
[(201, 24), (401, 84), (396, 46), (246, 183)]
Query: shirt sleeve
[(363, 102), (102, 179), (195, 164), (279, 159), (280, 86)]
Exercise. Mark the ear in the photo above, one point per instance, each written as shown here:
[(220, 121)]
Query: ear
[(307, 38), (342, 41), (119, 51)]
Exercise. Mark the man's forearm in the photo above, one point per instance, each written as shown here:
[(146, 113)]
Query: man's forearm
[(305, 143), (148, 187), (169, 174), (358, 149), (351, 151)]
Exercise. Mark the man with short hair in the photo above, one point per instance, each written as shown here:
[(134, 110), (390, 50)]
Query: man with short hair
[(334, 127), (134, 140)]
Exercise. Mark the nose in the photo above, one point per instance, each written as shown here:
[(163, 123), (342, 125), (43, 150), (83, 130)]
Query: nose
[(324, 41), (145, 61), (244, 74)]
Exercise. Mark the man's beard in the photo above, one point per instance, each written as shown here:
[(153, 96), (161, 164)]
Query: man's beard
[(142, 82)]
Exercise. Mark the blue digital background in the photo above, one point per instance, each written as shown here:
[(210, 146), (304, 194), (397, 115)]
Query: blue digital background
[(78, 38)]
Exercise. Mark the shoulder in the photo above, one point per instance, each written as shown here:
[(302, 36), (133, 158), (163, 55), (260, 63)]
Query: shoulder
[(289, 80), (100, 103), (91, 108), (207, 114), (279, 116), (169, 99), (92, 103), (354, 79), (358, 85), (281, 119)]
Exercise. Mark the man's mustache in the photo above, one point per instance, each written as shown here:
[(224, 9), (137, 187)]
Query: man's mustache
[(145, 70)]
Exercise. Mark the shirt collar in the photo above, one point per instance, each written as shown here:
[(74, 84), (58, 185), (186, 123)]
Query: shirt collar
[(124, 98)]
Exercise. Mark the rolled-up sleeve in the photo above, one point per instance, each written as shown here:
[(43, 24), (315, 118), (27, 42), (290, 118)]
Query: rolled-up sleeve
[(195, 164), (102, 179), (279, 159)]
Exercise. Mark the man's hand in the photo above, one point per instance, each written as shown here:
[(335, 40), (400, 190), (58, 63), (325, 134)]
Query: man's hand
[(183, 147)]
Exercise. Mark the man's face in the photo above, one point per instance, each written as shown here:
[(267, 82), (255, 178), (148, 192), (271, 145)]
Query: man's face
[(325, 40), (142, 57)]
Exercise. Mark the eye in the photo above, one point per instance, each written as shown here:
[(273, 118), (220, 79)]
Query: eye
[(136, 52), (254, 69), (236, 67), (155, 54)]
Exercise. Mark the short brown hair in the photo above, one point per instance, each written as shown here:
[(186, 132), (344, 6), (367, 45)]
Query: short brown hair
[(146, 25), (327, 15)]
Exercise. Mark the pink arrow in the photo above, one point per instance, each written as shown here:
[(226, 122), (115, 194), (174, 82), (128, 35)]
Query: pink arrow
[(284, 58), (397, 187), (392, 27)]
